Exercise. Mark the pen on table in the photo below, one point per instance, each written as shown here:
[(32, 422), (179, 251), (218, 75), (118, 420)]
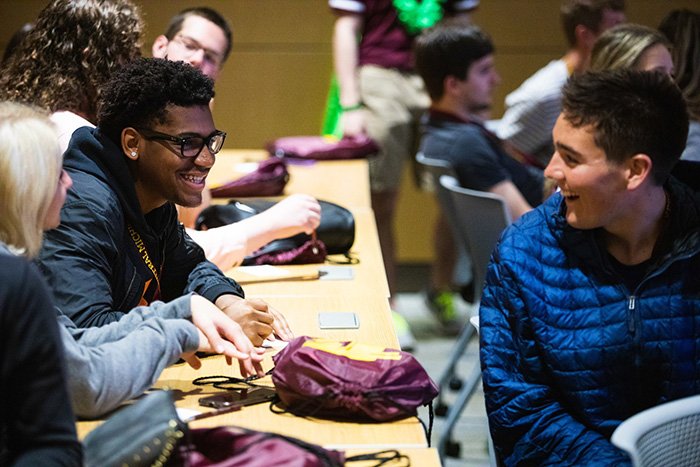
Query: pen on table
[(213, 413)]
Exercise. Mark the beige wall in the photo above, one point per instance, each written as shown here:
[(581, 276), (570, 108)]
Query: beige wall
[(275, 81)]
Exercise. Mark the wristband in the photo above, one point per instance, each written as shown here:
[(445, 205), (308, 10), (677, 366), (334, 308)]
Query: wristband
[(350, 108)]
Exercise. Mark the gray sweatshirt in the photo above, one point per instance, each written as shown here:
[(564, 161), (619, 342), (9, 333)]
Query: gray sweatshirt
[(110, 364)]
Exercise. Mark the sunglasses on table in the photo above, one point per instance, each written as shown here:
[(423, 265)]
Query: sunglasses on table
[(189, 146)]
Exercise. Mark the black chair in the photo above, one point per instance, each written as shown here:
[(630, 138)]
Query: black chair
[(431, 171), (479, 218)]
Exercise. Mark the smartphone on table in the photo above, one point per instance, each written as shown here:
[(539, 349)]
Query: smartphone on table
[(239, 398)]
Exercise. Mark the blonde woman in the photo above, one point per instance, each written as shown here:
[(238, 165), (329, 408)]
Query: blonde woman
[(632, 46), (37, 426), (102, 368)]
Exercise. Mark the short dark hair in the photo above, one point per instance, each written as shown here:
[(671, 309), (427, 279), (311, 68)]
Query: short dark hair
[(631, 112), (139, 94), (588, 13), (175, 25), (449, 50)]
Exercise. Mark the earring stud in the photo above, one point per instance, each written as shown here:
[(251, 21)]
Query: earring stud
[(134, 154)]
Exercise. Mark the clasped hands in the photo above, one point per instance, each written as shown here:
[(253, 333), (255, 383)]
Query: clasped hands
[(236, 328)]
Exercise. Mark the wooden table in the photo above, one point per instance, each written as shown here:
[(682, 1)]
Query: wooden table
[(346, 183)]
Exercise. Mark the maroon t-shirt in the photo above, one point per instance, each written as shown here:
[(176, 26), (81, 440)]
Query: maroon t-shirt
[(385, 41)]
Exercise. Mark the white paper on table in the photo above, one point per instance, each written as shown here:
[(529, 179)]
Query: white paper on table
[(264, 270)]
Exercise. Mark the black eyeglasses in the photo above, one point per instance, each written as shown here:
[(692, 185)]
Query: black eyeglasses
[(190, 146)]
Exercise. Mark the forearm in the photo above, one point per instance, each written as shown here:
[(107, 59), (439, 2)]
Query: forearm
[(346, 57), (515, 202), (187, 270), (102, 377), (93, 336), (224, 246)]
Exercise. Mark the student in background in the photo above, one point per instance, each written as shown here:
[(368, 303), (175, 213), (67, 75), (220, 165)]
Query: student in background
[(532, 109), (74, 48), (380, 93), (632, 46), (682, 28), (590, 296), (457, 65)]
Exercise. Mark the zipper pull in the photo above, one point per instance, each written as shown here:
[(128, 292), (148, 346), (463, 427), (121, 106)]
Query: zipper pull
[(630, 316)]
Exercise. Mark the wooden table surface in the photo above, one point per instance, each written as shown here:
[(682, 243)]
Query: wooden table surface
[(345, 182)]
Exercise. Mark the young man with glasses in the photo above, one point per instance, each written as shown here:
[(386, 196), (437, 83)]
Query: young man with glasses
[(120, 244)]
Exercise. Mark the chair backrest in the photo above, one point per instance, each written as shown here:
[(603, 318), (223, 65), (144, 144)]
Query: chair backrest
[(432, 170), (666, 435), (479, 218)]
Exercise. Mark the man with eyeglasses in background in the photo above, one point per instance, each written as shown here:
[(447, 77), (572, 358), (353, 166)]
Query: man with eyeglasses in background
[(199, 36)]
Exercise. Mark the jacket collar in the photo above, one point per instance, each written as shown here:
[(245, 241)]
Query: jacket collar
[(92, 152), (680, 237)]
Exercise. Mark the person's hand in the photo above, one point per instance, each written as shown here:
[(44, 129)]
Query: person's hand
[(219, 334), (354, 122), (295, 214), (257, 318)]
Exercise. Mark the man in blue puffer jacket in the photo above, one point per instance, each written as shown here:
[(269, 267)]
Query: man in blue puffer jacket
[(591, 308)]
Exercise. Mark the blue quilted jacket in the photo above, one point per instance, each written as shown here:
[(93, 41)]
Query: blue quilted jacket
[(568, 352)]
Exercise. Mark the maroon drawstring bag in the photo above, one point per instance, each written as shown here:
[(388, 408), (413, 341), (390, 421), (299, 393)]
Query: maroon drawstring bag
[(269, 179), (285, 251), (347, 380), (230, 446), (323, 147)]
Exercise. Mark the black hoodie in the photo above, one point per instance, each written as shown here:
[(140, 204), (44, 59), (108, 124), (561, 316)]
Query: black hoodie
[(97, 260)]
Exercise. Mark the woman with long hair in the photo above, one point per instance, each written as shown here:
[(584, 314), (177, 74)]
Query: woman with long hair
[(37, 426), (632, 46)]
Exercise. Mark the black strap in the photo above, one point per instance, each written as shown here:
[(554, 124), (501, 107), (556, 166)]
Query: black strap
[(382, 457), (348, 258), (230, 382)]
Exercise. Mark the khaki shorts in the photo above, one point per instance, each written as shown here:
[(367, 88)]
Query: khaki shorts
[(395, 101)]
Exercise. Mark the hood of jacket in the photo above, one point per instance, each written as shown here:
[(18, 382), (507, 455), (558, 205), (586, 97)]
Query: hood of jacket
[(92, 152)]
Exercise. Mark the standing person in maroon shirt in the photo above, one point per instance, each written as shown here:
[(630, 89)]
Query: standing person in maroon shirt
[(380, 94)]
